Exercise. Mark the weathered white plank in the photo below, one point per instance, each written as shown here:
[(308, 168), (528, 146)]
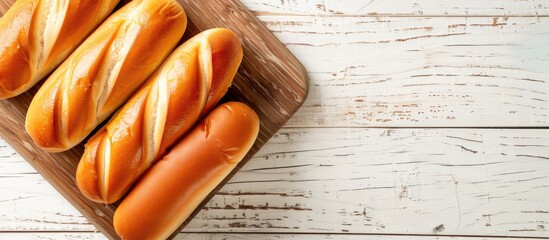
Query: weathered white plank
[(482, 182), (400, 7), (30, 203), (420, 72), (194, 236), (221, 236), (53, 236), (408, 181)]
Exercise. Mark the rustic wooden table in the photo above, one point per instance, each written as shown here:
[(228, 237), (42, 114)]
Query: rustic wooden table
[(425, 119)]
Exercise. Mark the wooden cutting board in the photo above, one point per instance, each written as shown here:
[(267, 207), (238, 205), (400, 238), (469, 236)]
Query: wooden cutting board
[(271, 80)]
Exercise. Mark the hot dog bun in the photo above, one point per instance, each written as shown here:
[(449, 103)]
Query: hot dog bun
[(36, 36), (171, 190), (103, 72), (190, 82)]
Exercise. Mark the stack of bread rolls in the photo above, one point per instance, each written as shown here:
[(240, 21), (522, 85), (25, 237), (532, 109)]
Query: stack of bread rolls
[(168, 144), (189, 83)]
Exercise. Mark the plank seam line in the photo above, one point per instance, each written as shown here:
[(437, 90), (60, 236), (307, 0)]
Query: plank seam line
[(369, 234), (372, 15), (303, 233), (419, 127)]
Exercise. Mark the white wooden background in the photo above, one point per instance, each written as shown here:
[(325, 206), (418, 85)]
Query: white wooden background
[(425, 119)]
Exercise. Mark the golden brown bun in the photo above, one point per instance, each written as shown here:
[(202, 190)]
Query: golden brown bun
[(36, 36), (189, 83), (172, 189), (103, 72)]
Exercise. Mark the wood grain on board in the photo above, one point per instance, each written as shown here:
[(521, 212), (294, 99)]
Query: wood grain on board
[(270, 80), (354, 180)]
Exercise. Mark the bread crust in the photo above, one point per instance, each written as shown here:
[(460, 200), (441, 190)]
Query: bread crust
[(175, 186), (37, 35), (187, 86), (103, 72)]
